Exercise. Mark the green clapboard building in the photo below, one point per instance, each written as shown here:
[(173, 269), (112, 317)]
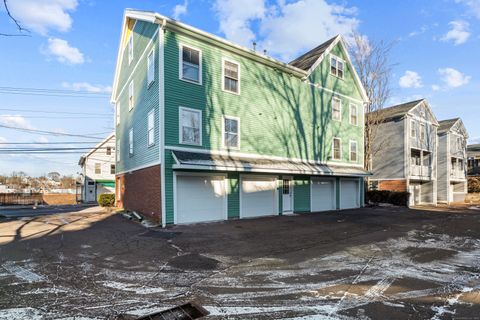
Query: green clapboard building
[(209, 130)]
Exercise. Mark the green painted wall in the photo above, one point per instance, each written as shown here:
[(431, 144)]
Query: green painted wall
[(301, 194), (233, 195)]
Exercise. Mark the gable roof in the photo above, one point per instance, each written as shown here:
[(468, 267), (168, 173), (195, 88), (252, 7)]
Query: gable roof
[(308, 59), (84, 157), (447, 125), (398, 111)]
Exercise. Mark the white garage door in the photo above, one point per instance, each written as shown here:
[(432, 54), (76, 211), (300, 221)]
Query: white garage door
[(258, 197), (323, 195), (200, 198), (349, 194)]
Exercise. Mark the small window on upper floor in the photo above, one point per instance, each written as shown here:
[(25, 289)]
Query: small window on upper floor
[(336, 66), (336, 109), (130, 48), (151, 67), (336, 149), (231, 76), (98, 168), (117, 113), (151, 128), (130, 142), (109, 151), (422, 132), (353, 115), (112, 169), (231, 132), (413, 129), (190, 126), (353, 151), (190, 64), (131, 96)]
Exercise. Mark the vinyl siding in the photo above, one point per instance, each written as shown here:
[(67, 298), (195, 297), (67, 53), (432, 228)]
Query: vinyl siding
[(233, 195), (443, 169), (146, 99)]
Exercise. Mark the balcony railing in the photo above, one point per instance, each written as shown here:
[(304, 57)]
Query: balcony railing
[(421, 171), (458, 174)]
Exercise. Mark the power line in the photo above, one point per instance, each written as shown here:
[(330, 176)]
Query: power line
[(51, 132), (50, 117), (56, 112), (53, 92), (69, 142)]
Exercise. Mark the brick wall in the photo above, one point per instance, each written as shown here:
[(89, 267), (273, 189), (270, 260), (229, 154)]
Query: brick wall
[(393, 185), (140, 192)]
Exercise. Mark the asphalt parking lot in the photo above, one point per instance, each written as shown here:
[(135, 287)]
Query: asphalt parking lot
[(372, 263)]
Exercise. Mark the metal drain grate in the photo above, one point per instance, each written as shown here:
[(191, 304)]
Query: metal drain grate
[(187, 311)]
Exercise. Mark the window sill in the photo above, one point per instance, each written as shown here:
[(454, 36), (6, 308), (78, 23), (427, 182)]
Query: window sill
[(198, 83), (231, 92), (190, 144)]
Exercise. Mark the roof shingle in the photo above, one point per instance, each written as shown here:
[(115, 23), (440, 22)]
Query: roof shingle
[(307, 60)]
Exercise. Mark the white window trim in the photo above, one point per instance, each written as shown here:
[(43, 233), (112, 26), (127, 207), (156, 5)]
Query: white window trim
[(337, 58), (131, 87), (350, 111), (152, 52), (99, 168), (350, 151), (413, 131), (180, 131), (333, 148), (130, 142), (223, 75), (151, 113), (130, 48), (118, 151), (117, 114), (223, 132), (340, 100), (180, 64), (423, 130)]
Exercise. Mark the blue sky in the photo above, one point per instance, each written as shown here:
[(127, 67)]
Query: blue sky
[(73, 46)]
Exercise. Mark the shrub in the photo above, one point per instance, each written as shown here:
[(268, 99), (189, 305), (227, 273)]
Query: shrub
[(473, 185), (385, 196), (106, 200)]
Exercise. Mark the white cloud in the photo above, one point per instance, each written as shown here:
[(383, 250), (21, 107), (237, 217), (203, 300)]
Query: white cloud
[(180, 10), (285, 29), (453, 78), (473, 5), (236, 17), (15, 121), (44, 15), (459, 32), (63, 52), (410, 79), (85, 86), (435, 87)]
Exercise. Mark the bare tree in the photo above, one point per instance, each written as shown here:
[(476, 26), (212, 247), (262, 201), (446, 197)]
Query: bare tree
[(20, 28), (373, 65)]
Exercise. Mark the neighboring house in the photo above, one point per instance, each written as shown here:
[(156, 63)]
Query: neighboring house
[(452, 159), (98, 170), (209, 130), (5, 189), (405, 151), (473, 155)]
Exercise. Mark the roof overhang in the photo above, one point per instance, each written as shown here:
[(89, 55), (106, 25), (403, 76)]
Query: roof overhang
[(429, 109), (210, 162)]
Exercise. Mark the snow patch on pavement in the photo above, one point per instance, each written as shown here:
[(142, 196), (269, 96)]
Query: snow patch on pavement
[(131, 287)]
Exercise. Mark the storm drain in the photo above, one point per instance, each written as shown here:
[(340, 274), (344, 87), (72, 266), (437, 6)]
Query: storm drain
[(187, 311)]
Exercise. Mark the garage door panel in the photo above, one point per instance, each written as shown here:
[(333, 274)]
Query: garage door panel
[(323, 195), (349, 194), (200, 198), (258, 197)]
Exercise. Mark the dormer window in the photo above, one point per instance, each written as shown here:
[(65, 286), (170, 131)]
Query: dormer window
[(337, 66)]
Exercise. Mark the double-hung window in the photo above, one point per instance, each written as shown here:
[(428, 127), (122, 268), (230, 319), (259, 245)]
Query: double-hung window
[(336, 109), (231, 132), (151, 128), (151, 67), (190, 126), (190, 64), (422, 132), (130, 49), (231, 76), (117, 113), (98, 168), (353, 151), (336, 149), (413, 130), (112, 169), (130, 142), (131, 96), (109, 151), (336, 66), (353, 115)]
